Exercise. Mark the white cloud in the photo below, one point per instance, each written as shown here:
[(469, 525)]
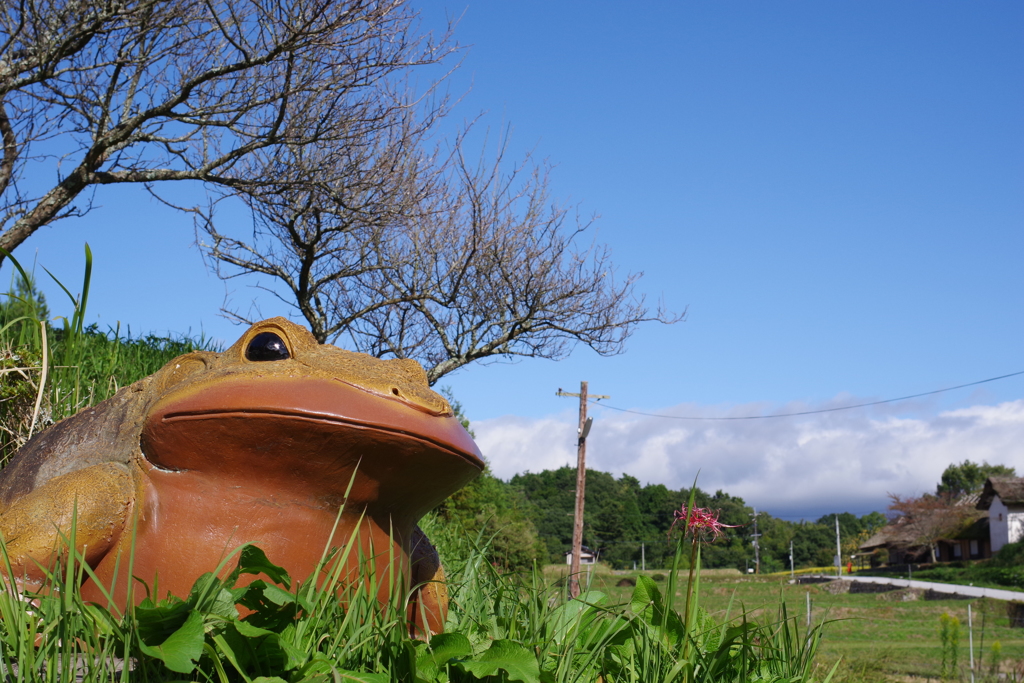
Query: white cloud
[(516, 444), (792, 467)]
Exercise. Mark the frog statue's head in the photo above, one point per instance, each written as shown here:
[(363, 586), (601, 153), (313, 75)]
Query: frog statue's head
[(278, 412)]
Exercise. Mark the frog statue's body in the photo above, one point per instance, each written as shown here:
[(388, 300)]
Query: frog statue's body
[(263, 443)]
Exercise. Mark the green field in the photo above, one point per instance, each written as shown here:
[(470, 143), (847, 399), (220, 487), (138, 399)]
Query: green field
[(878, 639)]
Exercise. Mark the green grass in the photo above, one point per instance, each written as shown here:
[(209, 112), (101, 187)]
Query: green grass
[(500, 628), (81, 365), (883, 638)]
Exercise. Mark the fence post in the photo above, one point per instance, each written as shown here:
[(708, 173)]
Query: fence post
[(970, 639)]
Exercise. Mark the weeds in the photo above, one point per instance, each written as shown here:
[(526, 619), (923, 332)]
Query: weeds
[(949, 636), (271, 629), (995, 658), (84, 365)]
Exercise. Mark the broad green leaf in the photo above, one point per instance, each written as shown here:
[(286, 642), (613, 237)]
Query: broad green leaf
[(294, 656), (156, 621), (277, 595), (443, 648), (221, 603), (269, 679), (182, 648), (734, 633), (707, 632), (645, 595), (253, 560), (247, 648), (250, 631), (516, 660), (648, 604), (230, 646), (318, 668), (273, 608), (573, 615), (674, 629), (209, 595)]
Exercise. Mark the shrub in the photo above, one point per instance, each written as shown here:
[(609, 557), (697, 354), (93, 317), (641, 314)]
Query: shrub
[(1010, 555)]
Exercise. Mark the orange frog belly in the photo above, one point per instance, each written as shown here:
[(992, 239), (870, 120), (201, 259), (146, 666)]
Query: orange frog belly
[(190, 522)]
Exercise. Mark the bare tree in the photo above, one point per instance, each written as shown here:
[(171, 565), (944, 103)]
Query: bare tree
[(322, 215), (95, 92), (408, 253)]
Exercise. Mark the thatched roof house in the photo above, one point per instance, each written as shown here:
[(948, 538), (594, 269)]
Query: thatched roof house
[(954, 531), (1003, 497), (899, 541), (1009, 489)]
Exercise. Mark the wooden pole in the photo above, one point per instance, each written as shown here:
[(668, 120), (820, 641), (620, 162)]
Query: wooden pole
[(757, 546), (839, 551), (581, 484)]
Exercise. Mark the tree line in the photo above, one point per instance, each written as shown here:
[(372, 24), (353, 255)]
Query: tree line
[(530, 520)]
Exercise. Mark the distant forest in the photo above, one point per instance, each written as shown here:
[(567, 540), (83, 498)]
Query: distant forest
[(529, 518)]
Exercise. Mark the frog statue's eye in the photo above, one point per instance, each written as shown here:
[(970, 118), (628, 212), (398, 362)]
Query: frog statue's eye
[(267, 346)]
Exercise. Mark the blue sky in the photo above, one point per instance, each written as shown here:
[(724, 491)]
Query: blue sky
[(833, 191)]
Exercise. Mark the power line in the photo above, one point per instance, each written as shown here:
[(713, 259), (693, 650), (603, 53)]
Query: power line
[(813, 412)]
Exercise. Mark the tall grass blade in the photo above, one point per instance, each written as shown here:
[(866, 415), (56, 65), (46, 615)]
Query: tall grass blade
[(42, 380)]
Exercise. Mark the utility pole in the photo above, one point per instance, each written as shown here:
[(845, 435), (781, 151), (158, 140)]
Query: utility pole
[(839, 552), (643, 558), (757, 546), (792, 571), (581, 483)]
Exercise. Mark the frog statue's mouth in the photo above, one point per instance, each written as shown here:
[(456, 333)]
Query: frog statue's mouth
[(318, 440)]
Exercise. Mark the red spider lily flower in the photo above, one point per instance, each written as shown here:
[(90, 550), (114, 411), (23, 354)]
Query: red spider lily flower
[(703, 523)]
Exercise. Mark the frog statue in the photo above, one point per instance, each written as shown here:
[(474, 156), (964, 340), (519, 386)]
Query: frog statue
[(273, 442)]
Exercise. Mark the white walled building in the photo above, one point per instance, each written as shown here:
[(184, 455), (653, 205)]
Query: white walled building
[(1003, 497), (587, 556)]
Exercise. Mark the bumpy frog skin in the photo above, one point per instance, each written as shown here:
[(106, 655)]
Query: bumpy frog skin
[(258, 444)]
